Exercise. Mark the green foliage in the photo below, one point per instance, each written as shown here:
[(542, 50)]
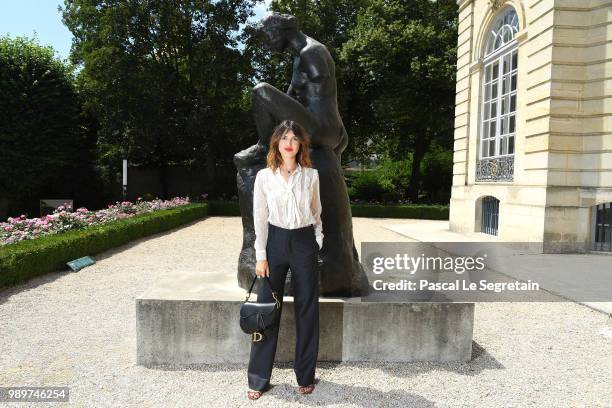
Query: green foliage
[(427, 212), (45, 151), (387, 182), (401, 56), (365, 185), (165, 80), (437, 171), (26, 259), (390, 180)]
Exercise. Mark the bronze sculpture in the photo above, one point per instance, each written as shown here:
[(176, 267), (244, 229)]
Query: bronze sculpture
[(311, 100)]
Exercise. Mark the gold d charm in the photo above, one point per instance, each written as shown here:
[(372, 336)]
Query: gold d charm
[(256, 336)]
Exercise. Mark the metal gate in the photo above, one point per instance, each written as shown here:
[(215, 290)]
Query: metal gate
[(490, 215), (603, 220)]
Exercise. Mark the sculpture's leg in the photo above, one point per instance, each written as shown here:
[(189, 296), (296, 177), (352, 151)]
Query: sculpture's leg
[(342, 145), (340, 270), (264, 119), (271, 106)]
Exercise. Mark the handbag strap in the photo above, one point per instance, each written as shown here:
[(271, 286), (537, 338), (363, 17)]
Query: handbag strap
[(271, 288)]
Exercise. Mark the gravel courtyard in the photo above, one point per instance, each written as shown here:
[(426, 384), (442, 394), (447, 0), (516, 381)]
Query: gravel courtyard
[(78, 330)]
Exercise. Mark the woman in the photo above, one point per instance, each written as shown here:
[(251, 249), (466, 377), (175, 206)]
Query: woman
[(288, 234)]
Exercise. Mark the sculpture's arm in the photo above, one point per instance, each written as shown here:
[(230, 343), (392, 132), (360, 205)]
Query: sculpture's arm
[(315, 65)]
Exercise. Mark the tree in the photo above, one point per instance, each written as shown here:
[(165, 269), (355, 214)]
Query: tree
[(164, 78), (45, 151), (402, 55)]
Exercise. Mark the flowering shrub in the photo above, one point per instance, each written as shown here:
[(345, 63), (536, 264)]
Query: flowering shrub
[(63, 219)]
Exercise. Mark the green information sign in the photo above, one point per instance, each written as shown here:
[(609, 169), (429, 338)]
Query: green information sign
[(80, 263)]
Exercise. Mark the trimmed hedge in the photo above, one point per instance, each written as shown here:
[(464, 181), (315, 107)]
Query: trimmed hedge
[(29, 258), (426, 212)]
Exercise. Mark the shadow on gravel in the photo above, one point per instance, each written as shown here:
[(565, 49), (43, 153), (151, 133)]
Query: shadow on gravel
[(326, 392), (331, 393)]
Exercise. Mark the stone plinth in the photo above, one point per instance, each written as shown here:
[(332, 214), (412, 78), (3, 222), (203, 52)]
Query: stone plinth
[(189, 319)]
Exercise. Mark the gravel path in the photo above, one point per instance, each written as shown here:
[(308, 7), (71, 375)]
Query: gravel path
[(78, 330)]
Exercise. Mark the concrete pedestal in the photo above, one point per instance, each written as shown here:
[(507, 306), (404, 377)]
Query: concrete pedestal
[(189, 319)]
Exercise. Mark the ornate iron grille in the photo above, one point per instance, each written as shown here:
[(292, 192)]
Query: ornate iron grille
[(495, 169)]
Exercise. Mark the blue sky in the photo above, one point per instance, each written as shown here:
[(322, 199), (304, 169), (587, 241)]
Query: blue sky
[(41, 17)]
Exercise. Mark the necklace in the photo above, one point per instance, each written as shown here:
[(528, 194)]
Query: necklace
[(289, 171)]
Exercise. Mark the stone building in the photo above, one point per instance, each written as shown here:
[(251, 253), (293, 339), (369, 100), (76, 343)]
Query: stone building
[(533, 122)]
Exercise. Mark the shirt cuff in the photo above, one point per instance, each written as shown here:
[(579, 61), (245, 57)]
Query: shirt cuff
[(261, 255)]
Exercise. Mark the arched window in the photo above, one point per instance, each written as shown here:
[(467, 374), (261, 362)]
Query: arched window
[(498, 102)]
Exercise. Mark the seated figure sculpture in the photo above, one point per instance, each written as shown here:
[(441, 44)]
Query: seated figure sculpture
[(310, 100)]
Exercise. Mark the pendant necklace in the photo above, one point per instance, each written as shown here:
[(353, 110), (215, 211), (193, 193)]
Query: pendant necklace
[(289, 171)]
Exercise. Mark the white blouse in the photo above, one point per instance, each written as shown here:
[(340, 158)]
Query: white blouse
[(291, 204)]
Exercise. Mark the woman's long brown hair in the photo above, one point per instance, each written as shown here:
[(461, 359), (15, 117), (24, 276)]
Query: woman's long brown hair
[(274, 158)]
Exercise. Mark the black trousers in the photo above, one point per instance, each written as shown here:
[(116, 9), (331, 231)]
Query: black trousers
[(296, 249)]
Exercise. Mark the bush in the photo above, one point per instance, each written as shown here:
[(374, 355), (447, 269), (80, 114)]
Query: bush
[(26, 259), (64, 219), (387, 182), (366, 185), (437, 174)]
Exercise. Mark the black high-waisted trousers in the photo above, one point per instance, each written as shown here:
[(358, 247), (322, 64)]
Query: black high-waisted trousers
[(296, 249)]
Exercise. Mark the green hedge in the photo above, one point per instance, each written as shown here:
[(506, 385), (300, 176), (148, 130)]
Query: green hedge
[(26, 259), (427, 212)]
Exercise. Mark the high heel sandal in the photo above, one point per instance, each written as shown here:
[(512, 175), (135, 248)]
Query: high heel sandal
[(253, 395), (306, 389)]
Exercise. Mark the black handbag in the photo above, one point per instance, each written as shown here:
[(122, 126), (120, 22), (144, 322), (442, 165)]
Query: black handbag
[(255, 317)]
